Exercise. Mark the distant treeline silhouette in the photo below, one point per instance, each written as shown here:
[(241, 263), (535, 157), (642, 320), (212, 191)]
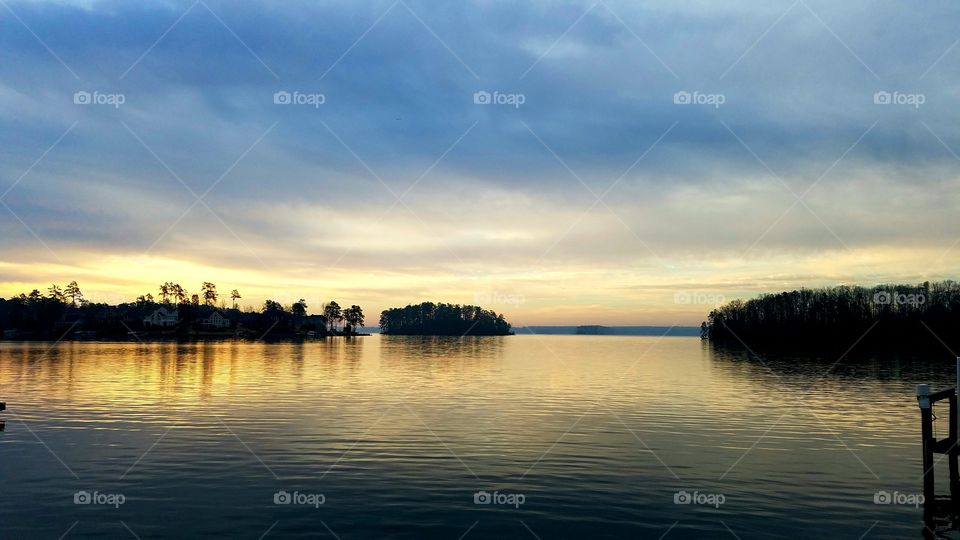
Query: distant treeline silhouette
[(899, 316), (65, 313), (433, 319)]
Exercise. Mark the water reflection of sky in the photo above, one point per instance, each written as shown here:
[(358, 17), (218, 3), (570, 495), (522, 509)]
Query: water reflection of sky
[(598, 433)]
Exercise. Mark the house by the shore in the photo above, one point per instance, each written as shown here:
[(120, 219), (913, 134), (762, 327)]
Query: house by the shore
[(215, 320), (163, 317)]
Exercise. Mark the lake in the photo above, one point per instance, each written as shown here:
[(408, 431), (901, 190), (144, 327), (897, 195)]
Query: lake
[(522, 436)]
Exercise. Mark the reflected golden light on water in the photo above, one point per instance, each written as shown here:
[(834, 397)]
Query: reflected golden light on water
[(627, 419)]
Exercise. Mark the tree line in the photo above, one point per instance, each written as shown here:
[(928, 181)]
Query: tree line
[(170, 292), (429, 318), (896, 315), (63, 310)]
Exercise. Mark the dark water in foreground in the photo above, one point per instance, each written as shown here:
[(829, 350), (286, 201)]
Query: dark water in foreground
[(596, 436)]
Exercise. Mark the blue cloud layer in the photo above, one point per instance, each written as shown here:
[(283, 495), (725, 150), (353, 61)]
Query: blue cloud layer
[(798, 80)]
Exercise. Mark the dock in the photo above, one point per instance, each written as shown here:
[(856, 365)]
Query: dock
[(943, 512)]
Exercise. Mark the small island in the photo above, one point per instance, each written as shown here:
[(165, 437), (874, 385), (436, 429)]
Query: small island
[(593, 330), (430, 319), (896, 317)]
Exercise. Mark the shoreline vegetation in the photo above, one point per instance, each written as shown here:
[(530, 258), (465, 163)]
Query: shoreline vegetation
[(175, 314), (897, 317)]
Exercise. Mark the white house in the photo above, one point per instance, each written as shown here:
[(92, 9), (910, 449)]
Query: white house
[(215, 320), (162, 317)]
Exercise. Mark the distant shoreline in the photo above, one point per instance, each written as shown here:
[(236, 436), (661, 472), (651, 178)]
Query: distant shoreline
[(598, 330), (897, 317)]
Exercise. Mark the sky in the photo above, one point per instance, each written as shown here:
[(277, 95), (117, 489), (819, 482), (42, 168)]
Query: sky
[(598, 162)]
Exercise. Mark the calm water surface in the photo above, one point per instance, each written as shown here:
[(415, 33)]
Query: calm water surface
[(595, 434)]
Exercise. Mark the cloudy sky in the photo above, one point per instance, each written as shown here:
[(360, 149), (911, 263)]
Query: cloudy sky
[(612, 162)]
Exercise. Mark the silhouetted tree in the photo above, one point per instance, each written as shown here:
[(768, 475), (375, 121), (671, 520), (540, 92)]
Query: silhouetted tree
[(56, 293), (273, 311), (165, 292), (178, 292), (353, 316), (333, 313), (234, 295), (209, 293), (73, 293), (299, 308)]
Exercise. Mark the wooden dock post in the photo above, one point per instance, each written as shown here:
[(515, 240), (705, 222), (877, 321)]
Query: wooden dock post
[(948, 508), (950, 446), (926, 434), (954, 453)]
